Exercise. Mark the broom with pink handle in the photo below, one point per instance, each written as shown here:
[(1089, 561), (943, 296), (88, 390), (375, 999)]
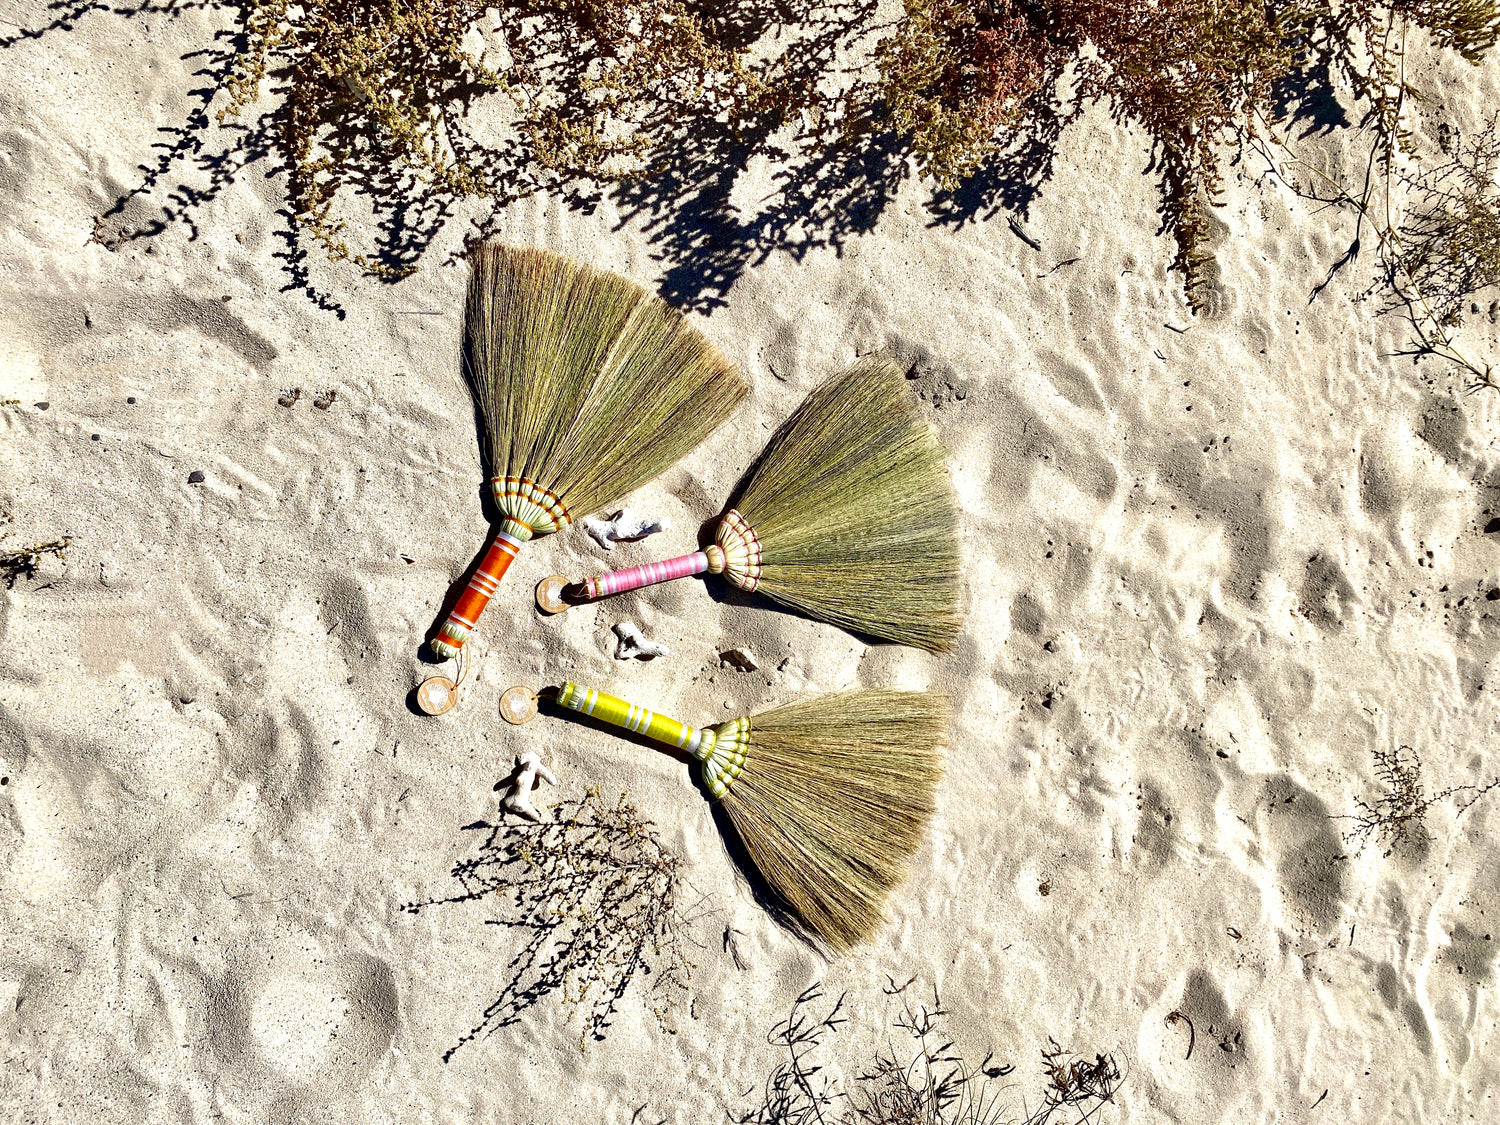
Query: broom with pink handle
[(848, 516)]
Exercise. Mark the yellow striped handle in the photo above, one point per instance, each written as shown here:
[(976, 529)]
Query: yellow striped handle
[(721, 750), (622, 713)]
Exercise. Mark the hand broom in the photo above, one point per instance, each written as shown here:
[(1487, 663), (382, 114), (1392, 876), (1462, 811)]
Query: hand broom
[(588, 387), (848, 516), (830, 796)]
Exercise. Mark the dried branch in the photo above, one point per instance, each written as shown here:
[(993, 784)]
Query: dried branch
[(1398, 817), (598, 892)]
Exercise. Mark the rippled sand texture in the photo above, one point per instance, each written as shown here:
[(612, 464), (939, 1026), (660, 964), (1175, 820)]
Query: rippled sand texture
[(1213, 563)]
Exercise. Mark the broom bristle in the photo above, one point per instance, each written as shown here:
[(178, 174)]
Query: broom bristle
[(833, 800), (588, 384), (855, 514)]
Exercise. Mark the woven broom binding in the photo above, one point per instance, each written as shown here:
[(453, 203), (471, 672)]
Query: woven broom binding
[(528, 508), (741, 551), (721, 749), (725, 758)]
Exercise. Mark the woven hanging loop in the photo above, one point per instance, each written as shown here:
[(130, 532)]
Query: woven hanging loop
[(740, 549)]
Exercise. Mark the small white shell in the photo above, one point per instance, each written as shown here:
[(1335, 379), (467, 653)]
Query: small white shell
[(623, 525), (634, 644), (528, 770)]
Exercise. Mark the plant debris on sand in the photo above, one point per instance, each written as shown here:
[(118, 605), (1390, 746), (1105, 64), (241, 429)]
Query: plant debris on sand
[(916, 1078), (1397, 819), (23, 561), (598, 892)]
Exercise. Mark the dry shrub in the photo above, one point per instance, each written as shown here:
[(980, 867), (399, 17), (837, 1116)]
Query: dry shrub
[(916, 1078), (963, 77), (591, 84), (1076, 1084), (1448, 245), (382, 99), (598, 892), (1397, 819)]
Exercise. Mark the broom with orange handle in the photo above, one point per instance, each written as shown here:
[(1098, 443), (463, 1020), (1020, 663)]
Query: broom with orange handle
[(589, 386)]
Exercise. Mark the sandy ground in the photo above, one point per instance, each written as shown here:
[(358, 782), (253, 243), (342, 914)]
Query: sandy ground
[(1213, 564)]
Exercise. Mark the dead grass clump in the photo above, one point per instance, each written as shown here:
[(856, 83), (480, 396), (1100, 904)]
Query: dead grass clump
[(1076, 1084), (598, 892)]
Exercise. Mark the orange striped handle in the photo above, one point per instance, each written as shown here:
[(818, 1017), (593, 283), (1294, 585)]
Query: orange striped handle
[(476, 595)]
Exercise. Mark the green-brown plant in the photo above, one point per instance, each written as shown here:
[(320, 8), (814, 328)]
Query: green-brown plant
[(962, 77), (420, 105), (588, 86)]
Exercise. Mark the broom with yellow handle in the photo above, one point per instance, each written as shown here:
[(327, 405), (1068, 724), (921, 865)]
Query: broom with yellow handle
[(831, 796), (848, 516), (589, 386)]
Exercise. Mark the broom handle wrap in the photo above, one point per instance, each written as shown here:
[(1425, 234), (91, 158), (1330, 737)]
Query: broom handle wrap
[(647, 574), (622, 713), (476, 595)]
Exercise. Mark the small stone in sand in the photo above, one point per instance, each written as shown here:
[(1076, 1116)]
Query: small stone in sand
[(740, 658), (196, 477)]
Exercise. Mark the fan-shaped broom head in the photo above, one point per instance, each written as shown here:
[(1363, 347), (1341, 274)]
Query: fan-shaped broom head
[(831, 797), (848, 516)]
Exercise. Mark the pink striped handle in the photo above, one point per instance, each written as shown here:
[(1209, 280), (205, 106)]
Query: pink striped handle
[(648, 574)]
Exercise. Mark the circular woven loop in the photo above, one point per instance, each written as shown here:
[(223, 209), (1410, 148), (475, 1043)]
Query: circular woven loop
[(741, 547), (436, 695), (518, 705)]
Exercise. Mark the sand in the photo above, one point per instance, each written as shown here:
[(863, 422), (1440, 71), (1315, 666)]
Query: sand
[(1214, 563)]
